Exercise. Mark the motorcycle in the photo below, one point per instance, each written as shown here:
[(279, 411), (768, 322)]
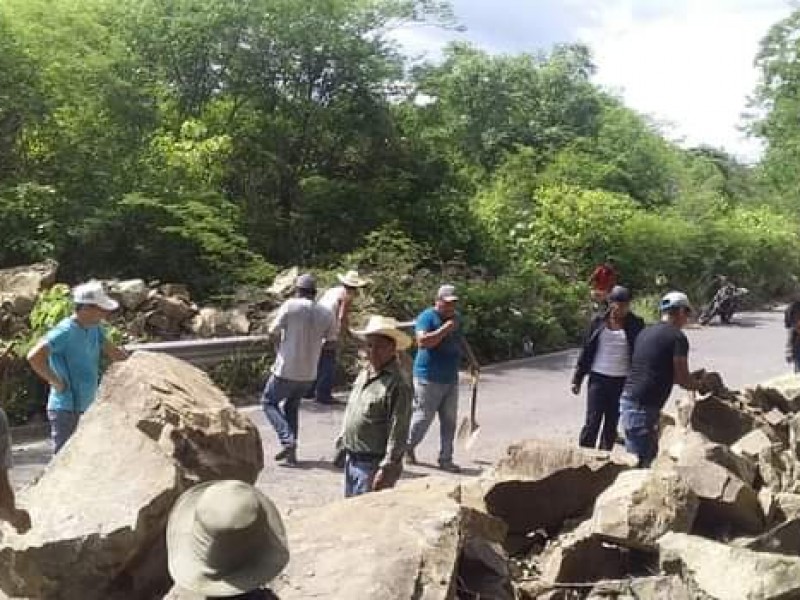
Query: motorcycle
[(725, 303)]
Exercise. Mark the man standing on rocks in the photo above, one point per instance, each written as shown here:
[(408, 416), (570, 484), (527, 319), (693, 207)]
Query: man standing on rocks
[(18, 518), (378, 412), (659, 361), (68, 359), (338, 300), (436, 364), (302, 324)]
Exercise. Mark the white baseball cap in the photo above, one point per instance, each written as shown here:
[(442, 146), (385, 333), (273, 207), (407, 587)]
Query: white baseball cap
[(447, 293), (92, 292)]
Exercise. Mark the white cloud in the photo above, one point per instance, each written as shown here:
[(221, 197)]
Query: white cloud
[(692, 67), (685, 62)]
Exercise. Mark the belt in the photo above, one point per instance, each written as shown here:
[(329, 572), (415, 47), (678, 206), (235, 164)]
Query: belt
[(364, 456)]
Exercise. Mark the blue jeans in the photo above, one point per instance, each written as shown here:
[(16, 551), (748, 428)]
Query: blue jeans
[(63, 424), (281, 403), (431, 399), (358, 475), (326, 373), (640, 423)]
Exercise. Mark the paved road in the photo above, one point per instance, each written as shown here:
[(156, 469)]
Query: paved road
[(528, 398)]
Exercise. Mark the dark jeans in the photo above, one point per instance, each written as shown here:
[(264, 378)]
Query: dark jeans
[(640, 423), (63, 424), (326, 372), (281, 403), (602, 406)]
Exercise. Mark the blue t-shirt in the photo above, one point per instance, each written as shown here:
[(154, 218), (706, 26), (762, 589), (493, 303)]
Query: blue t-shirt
[(75, 358), (439, 364)]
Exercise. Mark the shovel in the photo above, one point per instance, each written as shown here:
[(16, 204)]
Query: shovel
[(469, 429)]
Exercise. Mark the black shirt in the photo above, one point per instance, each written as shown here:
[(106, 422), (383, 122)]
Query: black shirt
[(652, 371)]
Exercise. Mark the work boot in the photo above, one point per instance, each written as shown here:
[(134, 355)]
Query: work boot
[(449, 466), (340, 458), (411, 458)]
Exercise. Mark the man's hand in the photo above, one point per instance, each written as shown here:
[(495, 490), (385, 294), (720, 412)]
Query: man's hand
[(20, 520), (387, 476), (449, 326), (59, 386), (576, 388)]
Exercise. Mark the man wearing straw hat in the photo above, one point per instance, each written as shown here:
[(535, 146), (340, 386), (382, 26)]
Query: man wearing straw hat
[(338, 300), (225, 539), (378, 412)]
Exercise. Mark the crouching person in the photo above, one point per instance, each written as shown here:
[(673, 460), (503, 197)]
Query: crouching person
[(378, 412), (225, 539)]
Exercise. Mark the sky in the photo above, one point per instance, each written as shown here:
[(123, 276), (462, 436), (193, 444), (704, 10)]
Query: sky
[(686, 63)]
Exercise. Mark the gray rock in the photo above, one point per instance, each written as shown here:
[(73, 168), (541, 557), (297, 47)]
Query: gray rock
[(641, 506), (99, 510), (782, 539), (581, 557), (719, 420), (131, 293), (721, 572), (20, 286)]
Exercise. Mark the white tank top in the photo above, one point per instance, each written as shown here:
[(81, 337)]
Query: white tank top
[(613, 357)]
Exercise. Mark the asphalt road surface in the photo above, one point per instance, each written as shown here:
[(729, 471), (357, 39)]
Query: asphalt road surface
[(523, 399)]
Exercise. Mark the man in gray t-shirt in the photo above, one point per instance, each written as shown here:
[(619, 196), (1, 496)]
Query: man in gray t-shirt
[(302, 325), (18, 518)]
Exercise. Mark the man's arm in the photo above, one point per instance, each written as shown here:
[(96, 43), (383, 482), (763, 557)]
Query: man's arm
[(682, 375), (431, 339), (474, 365), (38, 359), (399, 423), (344, 311)]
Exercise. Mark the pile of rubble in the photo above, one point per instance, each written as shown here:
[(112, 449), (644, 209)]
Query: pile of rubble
[(717, 516), (148, 311)]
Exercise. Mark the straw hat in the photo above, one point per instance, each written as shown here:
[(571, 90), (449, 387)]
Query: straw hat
[(386, 326), (351, 279), (225, 538)]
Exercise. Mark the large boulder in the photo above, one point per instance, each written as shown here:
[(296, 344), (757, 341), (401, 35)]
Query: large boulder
[(284, 282), (99, 510), (399, 544), (131, 293), (721, 421), (714, 570), (582, 557), (20, 286), (214, 322), (522, 487), (728, 505), (782, 392), (641, 506), (686, 448), (657, 587), (752, 444)]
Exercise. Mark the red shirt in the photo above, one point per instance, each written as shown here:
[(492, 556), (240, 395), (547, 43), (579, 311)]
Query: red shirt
[(604, 278)]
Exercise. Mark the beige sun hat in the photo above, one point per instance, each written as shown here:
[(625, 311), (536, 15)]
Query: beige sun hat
[(352, 279), (386, 326), (225, 538)]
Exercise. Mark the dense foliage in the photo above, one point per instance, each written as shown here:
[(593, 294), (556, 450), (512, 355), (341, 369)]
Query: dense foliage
[(213, 142)]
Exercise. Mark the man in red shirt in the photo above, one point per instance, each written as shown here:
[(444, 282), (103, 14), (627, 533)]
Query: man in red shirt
[(603, 280)]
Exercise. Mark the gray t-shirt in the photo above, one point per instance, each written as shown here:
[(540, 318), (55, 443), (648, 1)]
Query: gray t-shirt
[(5, 442), (303, 324)]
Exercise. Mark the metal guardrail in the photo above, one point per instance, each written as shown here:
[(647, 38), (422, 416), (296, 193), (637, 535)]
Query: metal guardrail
[(209, 352)]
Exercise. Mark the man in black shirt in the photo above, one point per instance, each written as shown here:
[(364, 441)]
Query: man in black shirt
[(659, 360)]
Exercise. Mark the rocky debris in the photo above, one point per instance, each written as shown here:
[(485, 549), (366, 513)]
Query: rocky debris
[(99, 510), (641, 506), (667, 587), (787, 506), (721, 421), (131, 293), (581, 557), (397, 544), (214, 322), (783, 539), (20, 286), (752, 444), (781, 392), (283, 283), (728, 506), (520, 489), (724, 572), (689, 448)]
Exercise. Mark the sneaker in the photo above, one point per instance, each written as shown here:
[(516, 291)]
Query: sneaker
[(411, 458), (449, 466), (291, 457), (284, 453)]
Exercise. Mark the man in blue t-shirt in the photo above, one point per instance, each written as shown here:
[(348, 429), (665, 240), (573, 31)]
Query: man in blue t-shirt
[(67, 358), (436, 364)]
